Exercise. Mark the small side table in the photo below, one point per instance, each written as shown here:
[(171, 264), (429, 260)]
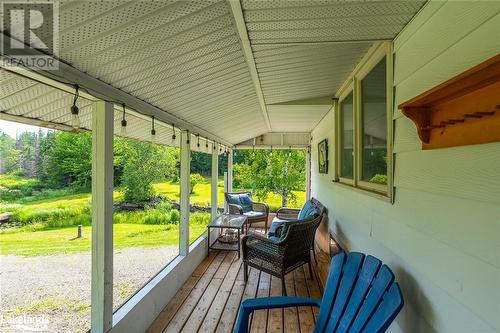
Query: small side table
[(227, 221)]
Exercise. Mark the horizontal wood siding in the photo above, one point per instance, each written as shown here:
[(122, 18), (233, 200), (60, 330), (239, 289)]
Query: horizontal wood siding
[(442, 234)]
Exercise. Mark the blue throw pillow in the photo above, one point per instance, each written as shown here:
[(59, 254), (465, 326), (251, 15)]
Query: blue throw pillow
[(246, 202), (234, 199), (307, 211)]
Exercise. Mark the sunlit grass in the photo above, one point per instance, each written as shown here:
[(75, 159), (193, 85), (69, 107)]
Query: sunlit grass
[(15, 182), (61, 241)]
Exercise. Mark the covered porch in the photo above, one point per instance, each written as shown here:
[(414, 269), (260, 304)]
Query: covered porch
[(341, 81)]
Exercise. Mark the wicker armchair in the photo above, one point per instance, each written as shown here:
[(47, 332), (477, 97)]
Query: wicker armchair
[(279, 257), (254, 211)]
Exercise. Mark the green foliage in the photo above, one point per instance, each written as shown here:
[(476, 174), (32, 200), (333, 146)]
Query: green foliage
[(242, 176), (141, 168), (379, 179), (280, 172), (199, 218), (195, 179), (69, 160)]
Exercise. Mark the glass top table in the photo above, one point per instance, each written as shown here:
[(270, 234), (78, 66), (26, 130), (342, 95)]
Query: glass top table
[(227, 221)]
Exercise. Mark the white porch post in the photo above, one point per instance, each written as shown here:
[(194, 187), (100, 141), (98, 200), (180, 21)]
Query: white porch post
[(184, 195), (308, 173), (215, 176), (230, 171), (102, 217)]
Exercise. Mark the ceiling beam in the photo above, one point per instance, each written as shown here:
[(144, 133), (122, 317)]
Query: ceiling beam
[(241, 27), (66, 76)]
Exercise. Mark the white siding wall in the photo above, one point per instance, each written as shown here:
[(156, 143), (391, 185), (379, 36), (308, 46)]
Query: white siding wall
[(442, 235)]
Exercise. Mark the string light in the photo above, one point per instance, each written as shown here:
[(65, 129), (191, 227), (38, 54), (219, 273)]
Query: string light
[(271, 151), (75, 119), (173, 133), (198, 144), (206, 144), (123, 129), (289, 151), (253, 150), (153, 131)]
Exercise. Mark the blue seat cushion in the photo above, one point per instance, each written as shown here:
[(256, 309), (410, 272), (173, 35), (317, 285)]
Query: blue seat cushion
[(244, 200), (308, 211), (253, 214)]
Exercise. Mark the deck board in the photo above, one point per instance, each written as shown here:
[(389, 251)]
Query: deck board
[(209, 300)]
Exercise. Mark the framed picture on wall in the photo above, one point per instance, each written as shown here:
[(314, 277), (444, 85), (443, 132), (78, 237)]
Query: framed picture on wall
[(323, 156)]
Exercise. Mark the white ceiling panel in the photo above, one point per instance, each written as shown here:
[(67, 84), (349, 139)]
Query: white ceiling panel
[(186, 58)]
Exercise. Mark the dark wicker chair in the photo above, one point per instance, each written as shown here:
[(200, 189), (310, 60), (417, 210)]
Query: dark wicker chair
[(279, 257), (259, 210)]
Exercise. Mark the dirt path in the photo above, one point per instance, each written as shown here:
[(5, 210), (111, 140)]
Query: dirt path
[(57, 287)]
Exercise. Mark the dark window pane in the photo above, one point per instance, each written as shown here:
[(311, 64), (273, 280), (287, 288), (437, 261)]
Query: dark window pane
[(374, 115), (346, 114)]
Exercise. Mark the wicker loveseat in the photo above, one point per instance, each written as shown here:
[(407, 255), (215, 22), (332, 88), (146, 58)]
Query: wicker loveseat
[(280, 254), (243, 204)]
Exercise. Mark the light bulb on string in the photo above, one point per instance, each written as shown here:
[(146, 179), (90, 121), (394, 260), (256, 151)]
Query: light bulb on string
[(206, 144), (173, 134), (123, 129), (153, 131), (289, 151), (75, 111), (198, 143)]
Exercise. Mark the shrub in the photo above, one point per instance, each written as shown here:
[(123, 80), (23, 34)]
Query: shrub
[(195, 179), (199, 218), (379, 179), (154, 216), (175, 216)]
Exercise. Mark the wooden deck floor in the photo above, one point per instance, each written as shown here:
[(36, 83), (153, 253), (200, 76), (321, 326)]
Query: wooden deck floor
[(209, 300)]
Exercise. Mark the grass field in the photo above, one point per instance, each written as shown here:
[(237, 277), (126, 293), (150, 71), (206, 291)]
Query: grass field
[(51, 220), (64, 240)]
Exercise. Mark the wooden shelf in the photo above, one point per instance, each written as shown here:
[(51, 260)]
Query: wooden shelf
[(461, 111)]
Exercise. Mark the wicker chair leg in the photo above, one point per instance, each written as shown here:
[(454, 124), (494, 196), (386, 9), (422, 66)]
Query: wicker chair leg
[(314, 255), (283, 287), (310, 270), (245, 272)]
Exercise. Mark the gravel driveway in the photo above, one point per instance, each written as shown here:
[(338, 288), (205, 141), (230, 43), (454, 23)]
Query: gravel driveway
[(56, 288)]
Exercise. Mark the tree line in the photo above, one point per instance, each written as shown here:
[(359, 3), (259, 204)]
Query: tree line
[(63, 159)]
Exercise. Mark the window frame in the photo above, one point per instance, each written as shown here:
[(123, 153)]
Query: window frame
[(371, 59), (349, 89)]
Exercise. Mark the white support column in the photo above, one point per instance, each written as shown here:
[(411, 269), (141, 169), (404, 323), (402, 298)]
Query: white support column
[(226, 189), (308, 173), (185, 192), (102, 217), (230, 171), (215, 178)]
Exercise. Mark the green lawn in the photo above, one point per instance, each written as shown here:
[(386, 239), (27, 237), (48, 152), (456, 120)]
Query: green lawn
[(63, 240), (202, 194), (38, 238)]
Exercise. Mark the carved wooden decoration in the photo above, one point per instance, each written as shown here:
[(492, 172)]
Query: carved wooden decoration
[(464, 110)]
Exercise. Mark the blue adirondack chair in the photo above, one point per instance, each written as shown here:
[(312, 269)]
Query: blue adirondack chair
[(360, 296)]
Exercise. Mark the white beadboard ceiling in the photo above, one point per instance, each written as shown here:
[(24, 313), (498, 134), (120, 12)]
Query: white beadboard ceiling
[(186, 58)]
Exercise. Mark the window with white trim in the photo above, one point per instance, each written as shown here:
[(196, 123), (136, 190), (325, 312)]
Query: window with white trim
[(364, 125)]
